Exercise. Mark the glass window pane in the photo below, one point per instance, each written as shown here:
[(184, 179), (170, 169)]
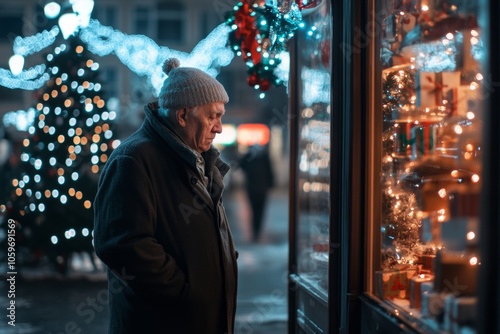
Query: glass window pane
[(313, 193), (171, 18), (142, 21), (170, 6), (106, 14), (170, 30)]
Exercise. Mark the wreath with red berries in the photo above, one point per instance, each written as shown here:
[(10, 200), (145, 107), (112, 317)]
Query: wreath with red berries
[(259, 34)]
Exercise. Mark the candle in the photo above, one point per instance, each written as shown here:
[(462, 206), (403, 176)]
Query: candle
[(416, 289)]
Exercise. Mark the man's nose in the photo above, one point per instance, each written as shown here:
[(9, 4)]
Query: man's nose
[(218, 126)]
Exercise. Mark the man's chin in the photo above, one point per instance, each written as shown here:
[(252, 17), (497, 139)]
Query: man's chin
[(206, 147)]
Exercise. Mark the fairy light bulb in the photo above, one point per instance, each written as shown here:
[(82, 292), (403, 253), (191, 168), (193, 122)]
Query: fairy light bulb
[(52, 10), (68, 24), (16, 64)]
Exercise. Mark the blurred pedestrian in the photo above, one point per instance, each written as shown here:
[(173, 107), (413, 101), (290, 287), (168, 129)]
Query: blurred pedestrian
[(160, 225), (259, 179)]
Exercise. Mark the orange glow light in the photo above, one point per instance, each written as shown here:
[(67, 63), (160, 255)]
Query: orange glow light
[(252, 133)]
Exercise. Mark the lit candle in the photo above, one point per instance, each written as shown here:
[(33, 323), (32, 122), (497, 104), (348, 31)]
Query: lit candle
[(416, 289)]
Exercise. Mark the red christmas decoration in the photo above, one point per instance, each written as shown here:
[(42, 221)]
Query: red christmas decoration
[(325, 53), (259, 33), (264, 85), (253, 80), (247, 32), (308, 4)]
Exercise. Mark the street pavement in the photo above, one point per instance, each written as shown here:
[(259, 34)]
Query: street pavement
[(263, 267), (47, 303)]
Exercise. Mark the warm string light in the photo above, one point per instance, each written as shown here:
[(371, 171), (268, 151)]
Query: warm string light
[(68, 142), (399, 88)]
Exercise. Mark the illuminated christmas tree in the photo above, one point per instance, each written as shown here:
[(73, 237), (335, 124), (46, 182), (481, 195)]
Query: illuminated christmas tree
[(68, 143)]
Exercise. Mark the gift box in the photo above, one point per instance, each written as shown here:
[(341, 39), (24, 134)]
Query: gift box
[(458, 234), (394, 283), (469, 148), (402, 138), (432, 198), (459, 312), (423, 138), (464, 204), (414, 130), (456, 273), (416, 289), (432, 305), (448, 301), (433, 87), (426, 287), (463, 313), (465, 100), (426, 230), (427, 263)]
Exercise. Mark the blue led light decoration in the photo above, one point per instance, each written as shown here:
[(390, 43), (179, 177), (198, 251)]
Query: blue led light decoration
[(138, 52), (259, 33), (66, 146)]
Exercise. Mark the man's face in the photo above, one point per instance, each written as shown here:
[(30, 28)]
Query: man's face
[(201, 125)]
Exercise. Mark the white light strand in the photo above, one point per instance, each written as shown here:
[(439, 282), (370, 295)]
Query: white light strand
[(30, 79), (316, 86), (32, 44), (20, 119), (212, 53), (282, 71), (139, 53), (144, 57)]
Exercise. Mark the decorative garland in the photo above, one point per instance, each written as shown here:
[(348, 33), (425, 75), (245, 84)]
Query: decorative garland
[(259, 34)]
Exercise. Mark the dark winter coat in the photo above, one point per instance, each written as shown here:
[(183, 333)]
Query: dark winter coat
[(164, 237)]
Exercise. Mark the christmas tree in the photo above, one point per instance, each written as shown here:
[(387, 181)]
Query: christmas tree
[(398, 90), (67, 145), (401, 220)]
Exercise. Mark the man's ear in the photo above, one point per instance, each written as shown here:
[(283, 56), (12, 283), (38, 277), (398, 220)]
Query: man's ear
[(181, 116)]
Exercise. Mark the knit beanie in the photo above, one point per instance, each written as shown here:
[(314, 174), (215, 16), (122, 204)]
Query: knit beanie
[(188, 87)]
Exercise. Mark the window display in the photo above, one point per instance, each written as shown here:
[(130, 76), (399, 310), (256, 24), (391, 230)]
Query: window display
[(430, 54)]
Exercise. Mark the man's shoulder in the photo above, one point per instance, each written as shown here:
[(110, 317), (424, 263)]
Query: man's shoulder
[(136, 145)]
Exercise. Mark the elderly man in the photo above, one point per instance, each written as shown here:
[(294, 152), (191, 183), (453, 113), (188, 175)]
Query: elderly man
[(160, 225)]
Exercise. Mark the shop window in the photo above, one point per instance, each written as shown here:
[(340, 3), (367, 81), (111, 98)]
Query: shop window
[(171, 21), (143, 21), (431, 112), (106, 14)]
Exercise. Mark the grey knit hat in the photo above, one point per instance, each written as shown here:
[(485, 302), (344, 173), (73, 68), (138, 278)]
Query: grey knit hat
[(188, 87)]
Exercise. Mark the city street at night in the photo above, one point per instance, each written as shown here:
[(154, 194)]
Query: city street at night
[(47, 303)]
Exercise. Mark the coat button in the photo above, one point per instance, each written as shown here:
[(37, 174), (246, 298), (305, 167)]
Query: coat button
[(237, 254), (194, 180)]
